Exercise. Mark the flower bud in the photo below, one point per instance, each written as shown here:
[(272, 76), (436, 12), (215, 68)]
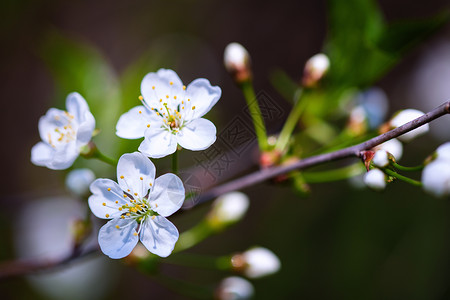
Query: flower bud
[(315, 68), (375, 179), (237, 62), (79, 180), (256, 262), (228, 208), (234, 288), (381, 159), (404, 117), (393, 146), (436, 177)]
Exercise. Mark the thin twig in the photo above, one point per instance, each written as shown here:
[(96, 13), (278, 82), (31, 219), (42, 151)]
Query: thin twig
[(353, 151)]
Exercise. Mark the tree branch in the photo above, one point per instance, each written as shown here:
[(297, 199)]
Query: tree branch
[(352, 151)]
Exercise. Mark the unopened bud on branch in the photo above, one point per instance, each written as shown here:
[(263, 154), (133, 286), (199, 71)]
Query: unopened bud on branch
[(232, 288), (315, 68), (375, 179), (228, 208), (237, 62), (256, 262)]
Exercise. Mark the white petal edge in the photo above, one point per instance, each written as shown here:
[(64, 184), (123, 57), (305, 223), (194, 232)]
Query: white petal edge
[(118, 243), (197, 135), (168, 194), (161, 81), (100, 195), (77, 106), (132, 124), (159, 236), (133, 167), (158, 143), (203, 96)]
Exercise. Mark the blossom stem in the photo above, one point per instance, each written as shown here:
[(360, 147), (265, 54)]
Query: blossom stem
[(193, 236), (402, 178), (175, 162), (407, 169), (291, 122), (100, 156), (255, 113)]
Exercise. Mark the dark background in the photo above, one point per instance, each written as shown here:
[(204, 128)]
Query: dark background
[(340, 243)]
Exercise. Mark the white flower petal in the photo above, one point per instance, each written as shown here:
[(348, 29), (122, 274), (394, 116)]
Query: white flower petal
[(135, 173), (132, 124), (56, 159), (436, 177), (77, 106), (158, 143), (41, 154), (197, 135), (159, 235), (161, 81), (102, 202), (203, 96), (118, 242), (49, 122), (85, 129), (167, 195), (375, 179)]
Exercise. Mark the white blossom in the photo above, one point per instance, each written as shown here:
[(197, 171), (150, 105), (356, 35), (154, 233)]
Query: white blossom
[(63, 133), (137, 208), (436, 174), (171, 114)]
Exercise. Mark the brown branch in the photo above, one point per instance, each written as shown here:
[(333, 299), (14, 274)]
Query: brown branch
[(18, 268), (353, 151)]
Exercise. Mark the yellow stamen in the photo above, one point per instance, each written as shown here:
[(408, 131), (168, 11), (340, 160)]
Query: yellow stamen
[(148, 125), (141, 98), (153, 87), (167, 96), (184, 87), (117, 226), (121, 177), (141, 178), (109, 189), (193, 107), (120, 208), (135, 233), (107, 215), (140, 112), (171, 83), (153, 217), (175, 97), (104, 204)]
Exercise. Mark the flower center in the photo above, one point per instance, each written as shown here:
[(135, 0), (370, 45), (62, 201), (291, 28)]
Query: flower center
[(175, 111), (137, 208), (64, 130)]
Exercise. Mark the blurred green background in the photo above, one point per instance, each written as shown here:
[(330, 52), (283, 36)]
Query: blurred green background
[(339, 243)]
